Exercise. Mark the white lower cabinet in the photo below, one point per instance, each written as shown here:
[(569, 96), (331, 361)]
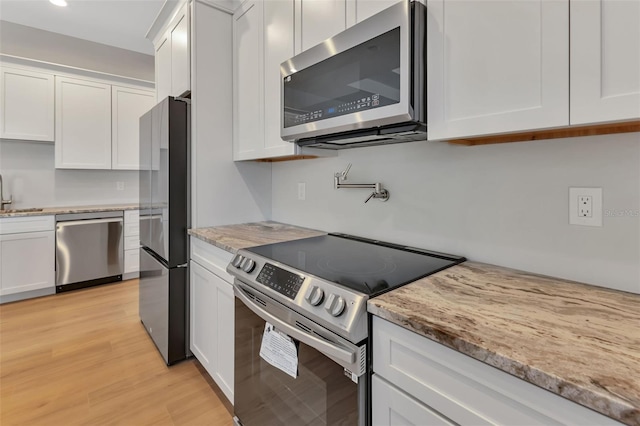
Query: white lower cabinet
[(419, 381), (212, 313), (131, 244), (27, 254), (394, 407)]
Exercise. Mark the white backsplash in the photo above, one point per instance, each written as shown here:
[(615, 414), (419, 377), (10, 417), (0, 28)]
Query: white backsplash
[(504, 204), (31, 178)]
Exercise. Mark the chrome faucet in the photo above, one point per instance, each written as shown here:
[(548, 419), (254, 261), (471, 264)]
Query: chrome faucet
[(2, 200), (378, 191)]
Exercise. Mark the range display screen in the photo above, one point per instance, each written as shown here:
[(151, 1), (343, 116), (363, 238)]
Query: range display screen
[(280, 280)]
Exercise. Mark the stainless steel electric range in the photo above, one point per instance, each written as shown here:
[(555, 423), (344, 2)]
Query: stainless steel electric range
[(301, 325)]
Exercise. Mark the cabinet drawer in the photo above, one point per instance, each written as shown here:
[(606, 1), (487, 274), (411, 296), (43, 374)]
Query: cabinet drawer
[(131, 216), (392, 407), (131, 243), (16, 225), (131, 261), (131, 229), (466, 390), (212, 258)]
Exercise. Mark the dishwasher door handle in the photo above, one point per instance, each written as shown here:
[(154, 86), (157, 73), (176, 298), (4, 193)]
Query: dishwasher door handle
[(89, 222)]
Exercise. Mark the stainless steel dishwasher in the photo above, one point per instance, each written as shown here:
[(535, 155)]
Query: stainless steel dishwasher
[(89, 249)]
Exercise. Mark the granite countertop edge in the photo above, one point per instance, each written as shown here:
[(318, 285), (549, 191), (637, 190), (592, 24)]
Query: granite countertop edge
[(593, 397), (235, 237), (47, 211)]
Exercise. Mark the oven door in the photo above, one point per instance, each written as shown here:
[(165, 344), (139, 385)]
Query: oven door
[(321, 394)]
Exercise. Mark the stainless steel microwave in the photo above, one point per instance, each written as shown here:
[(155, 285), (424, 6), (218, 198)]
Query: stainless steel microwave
[(365, 86)]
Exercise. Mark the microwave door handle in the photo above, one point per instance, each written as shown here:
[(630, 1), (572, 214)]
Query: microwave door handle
[(331, 350)]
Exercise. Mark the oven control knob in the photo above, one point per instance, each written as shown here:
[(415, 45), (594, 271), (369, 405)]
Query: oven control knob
[(316, 295), (248, 265), (335, 305), (237, 261)]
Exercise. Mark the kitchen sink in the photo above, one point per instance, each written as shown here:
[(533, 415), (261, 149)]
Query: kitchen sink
[(20, 210)]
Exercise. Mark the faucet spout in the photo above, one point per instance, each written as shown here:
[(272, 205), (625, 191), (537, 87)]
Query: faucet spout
[(3, 202)]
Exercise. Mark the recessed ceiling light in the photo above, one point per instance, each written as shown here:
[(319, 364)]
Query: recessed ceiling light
[(61, 3)]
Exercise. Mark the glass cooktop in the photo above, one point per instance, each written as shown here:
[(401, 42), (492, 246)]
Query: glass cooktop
[(367, 266)]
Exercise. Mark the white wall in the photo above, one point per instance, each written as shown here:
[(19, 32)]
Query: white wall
[(28, 167), (33, 43), (223, 192), (503, 204), (29, 175)]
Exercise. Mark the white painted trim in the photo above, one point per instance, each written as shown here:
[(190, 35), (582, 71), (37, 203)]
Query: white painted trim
[(167, 12), (71, 71)]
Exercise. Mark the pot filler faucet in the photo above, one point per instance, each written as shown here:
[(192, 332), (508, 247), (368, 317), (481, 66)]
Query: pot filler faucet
[(378, 191), (2, 200)]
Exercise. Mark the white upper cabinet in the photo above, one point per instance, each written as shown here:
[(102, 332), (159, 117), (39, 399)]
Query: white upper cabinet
[(83, 124), (605, 60), (163, 69), (319, 20), (263, 38), (26, 105), (248, 82), (278, 44), (128, 105), (368, 8), (180, 55), (173, 56), (497, 66)]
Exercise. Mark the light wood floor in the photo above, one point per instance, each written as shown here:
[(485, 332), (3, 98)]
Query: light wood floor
[(83, 358)]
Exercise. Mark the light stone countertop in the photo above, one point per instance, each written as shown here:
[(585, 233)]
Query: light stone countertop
[(70, 209), (579, 341), (235, 237)]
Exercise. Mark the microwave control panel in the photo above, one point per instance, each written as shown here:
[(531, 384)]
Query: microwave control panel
[(360, 104)]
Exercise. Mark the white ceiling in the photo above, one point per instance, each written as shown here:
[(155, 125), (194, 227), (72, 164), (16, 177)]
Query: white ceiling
[(119, 23)]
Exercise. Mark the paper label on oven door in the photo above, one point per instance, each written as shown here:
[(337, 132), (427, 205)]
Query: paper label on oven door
[(279, 350)]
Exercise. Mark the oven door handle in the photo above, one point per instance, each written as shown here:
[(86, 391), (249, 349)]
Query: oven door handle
[(330, 349)]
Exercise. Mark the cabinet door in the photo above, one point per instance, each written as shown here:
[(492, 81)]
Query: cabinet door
[(128, 106), (368, 8), (180, 62), (278, 21), (320, 20), (27, 105), (203, 316), (225, 321), (83, 124), (605, 60), (163, 69), (497, 66), (27, 261), (248, 83), (212, 325), (390, 407)]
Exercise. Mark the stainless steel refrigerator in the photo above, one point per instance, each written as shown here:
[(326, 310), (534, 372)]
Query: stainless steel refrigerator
[(164, 220)]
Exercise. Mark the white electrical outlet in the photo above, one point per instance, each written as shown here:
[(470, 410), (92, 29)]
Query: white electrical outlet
[(120, 186), (302, 191), (585, 206)]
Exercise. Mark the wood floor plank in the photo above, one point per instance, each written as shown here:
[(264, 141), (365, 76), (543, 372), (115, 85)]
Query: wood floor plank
[(84, 358)]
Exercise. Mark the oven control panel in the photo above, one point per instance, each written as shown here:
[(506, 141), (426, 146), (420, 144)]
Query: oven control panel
[(335, 307), (284, 282)]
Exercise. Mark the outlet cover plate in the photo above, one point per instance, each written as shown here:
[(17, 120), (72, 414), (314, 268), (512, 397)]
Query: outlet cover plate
[(596, 205)]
